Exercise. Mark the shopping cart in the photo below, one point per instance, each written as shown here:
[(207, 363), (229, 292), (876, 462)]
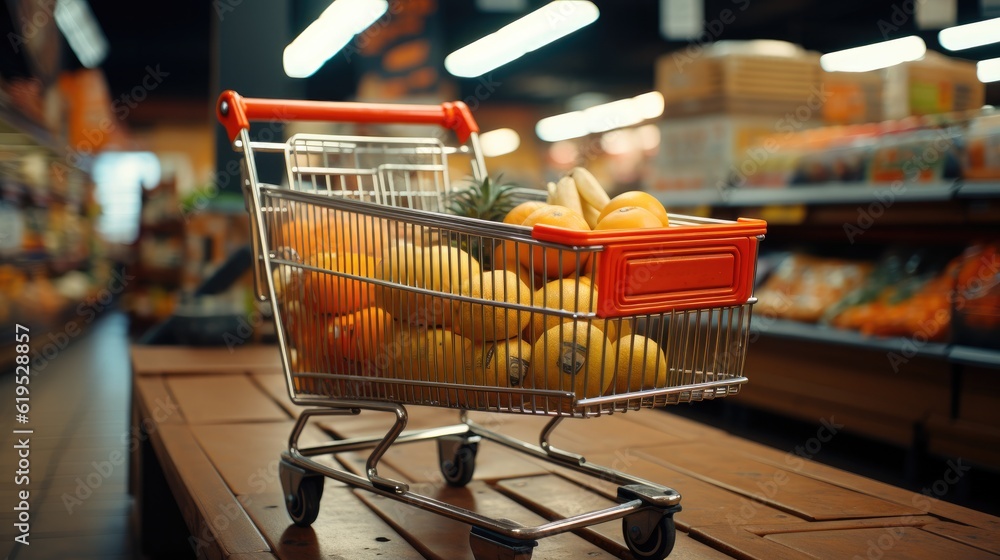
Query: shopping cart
[(383, 299)]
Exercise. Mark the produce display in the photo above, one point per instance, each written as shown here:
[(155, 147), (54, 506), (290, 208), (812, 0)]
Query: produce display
[(468, 310), (905, 294)]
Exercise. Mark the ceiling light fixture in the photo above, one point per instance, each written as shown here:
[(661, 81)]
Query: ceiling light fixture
[(601, 118), (970, 35), (332, 31), (988, 70), (499, 142), (874, 56), (531, 32), (77, 23)]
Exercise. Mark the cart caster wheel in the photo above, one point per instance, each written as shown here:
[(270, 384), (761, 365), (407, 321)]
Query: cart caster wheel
[(458, 460), (303, 492), (303, 506), (646, 540)]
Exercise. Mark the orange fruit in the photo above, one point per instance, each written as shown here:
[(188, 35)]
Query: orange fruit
[(337, 295), (628, 217), (641, 365), (316, 230), (501, 365), (430, 355), (638, 199), (435, 267), (572, 357), (554, 263), (358, 336), (518, 214), (481, 322), (575, 295)]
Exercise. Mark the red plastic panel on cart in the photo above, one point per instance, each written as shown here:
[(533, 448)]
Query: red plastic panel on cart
[(658, 270)]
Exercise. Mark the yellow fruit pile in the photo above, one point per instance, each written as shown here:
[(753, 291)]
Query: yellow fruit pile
[(435, 315)]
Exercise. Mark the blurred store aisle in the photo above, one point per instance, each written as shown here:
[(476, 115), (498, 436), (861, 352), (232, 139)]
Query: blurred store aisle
[(79, 501)]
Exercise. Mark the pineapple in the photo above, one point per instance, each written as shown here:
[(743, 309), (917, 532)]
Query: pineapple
[(486, 200), (489, 199)]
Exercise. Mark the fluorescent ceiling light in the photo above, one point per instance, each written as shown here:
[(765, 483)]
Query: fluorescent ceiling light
[(499, 142), (970, 35), (533, 31), (77, 23), (988, 70), (332, 31), (601, 118), (874, 56)]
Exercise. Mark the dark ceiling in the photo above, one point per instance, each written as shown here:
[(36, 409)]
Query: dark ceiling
[(615, 55)]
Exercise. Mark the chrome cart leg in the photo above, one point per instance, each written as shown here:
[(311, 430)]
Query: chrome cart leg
[(487, 545), (554, 452), (649, 532), (457, 455), (371, 466)]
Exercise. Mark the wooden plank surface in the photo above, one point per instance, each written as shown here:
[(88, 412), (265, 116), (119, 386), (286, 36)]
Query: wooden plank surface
[(779, 487), (982, 539), (345, 529), (557, 498), (176, 360), (247, 455), (439, 538), (206, 399), (276, 386), (885, 543), (155, 401), (212, 513)]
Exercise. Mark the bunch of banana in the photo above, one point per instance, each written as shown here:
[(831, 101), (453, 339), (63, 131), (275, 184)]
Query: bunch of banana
[(580, 192)]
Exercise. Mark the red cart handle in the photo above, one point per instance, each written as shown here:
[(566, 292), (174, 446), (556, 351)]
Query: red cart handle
[(236, 112)]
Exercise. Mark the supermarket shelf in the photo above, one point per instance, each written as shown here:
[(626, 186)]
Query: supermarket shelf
[(970, 355), (816, 333), (978, 189), (11, 121), (827, 193)]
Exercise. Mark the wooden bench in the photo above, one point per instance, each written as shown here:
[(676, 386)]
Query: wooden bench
[(211, 424)]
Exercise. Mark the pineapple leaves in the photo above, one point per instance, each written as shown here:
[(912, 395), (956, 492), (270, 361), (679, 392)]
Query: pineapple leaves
[(489, 199)]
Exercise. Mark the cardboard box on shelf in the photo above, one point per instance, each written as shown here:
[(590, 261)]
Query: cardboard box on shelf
[(853, 97), (748, 82), (932, 85)]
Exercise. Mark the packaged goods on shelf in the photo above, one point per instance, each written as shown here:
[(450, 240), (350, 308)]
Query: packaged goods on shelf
[(977, 296), (904, 296), (739, 77), (720, 150), (982, 152), (932, 85), (852, 97), (803, 287)]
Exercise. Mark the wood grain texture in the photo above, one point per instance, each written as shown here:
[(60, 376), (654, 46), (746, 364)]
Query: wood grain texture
[(276, 386), (217, 521), (247, 455), (779, 487), (976, 537), (207, 399), (885, 543), (703, 503), (557, 498), (439, 538), (344, 530), (176, 360)]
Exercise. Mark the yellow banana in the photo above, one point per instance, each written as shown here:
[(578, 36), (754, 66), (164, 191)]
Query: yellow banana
[(568, 196), (590, 214), (551, 188), (589, 189)]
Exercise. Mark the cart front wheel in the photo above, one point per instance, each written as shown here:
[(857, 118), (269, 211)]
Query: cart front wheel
[(458, 469), (649, 541), (303, 505)]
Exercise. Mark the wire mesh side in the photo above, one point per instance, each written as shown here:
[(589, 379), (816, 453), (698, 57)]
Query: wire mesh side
[(400, 172), (441, 313)]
